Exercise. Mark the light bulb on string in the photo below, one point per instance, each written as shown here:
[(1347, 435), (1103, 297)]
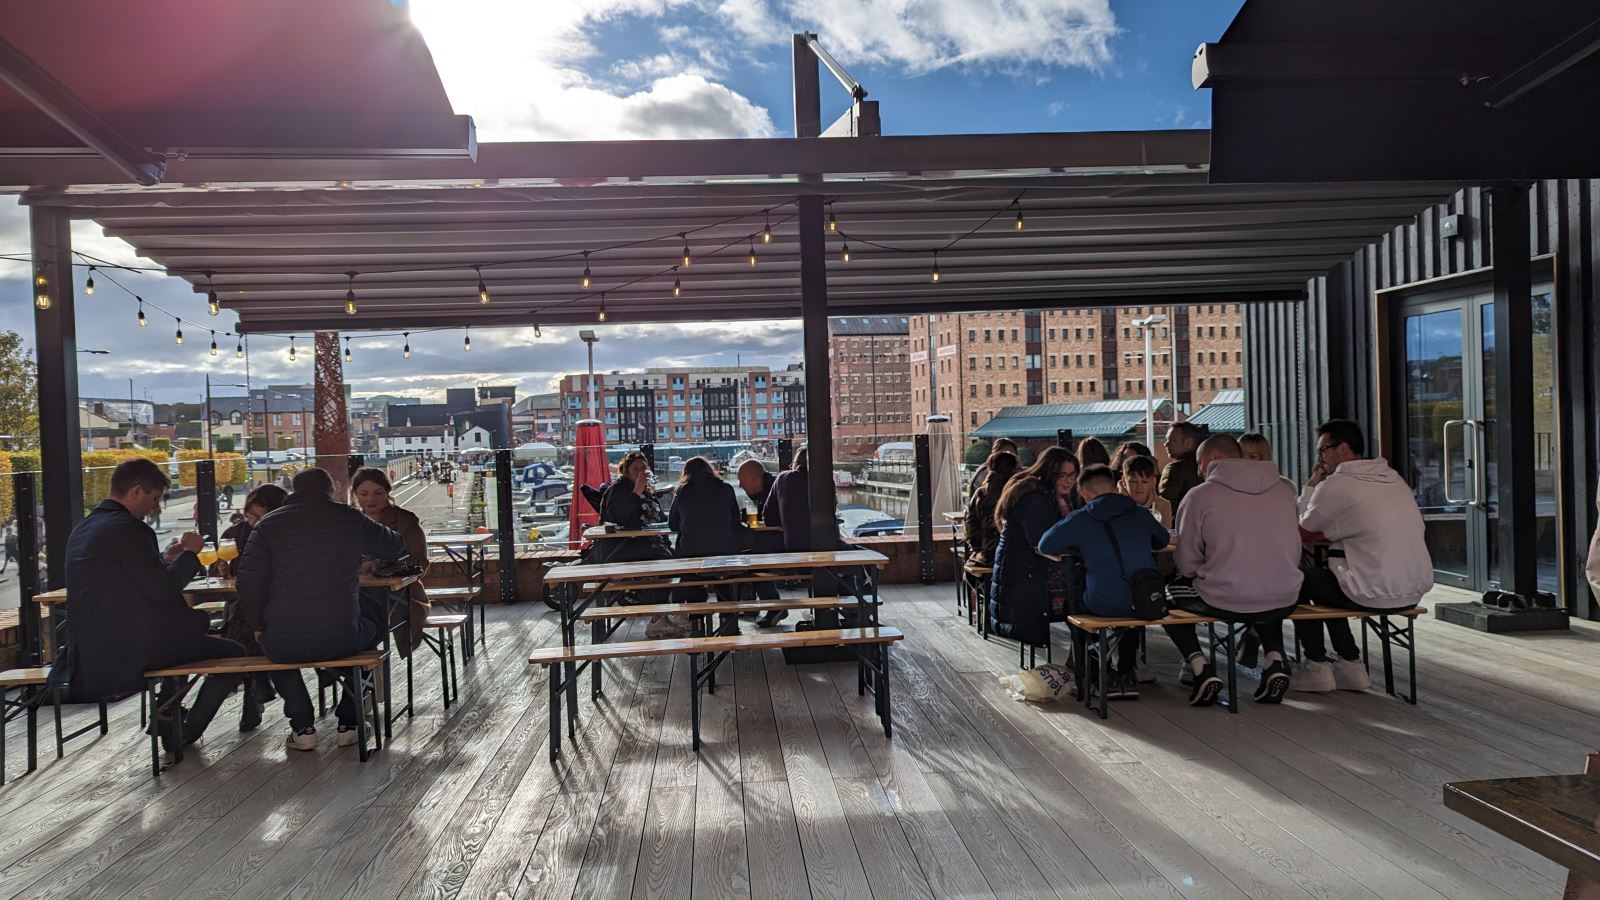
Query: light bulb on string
[(41, 292), (537, 333), (602, 313), (587, 279), (833, 221), (350, 295), (483, 289), (142, 322), (406, 353), (178, 338), (766, 232), (752, 253), (291, 348), (934, 275), (466, 339), (213, 342), (677, 283), (212, 305), (687, 258), (238, 349), (844, 254), (1018, 204), (347, 349), (88, 286)]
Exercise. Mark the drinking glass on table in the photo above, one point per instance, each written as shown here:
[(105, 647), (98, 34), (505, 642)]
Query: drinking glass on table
[(208, 558), (228, 551)]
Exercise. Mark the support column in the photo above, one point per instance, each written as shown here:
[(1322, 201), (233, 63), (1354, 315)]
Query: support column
[(56, 334), (331, 426), (819, 419), (1513, 388)]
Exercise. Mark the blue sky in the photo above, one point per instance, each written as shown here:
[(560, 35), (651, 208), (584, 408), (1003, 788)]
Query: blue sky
[(611, 69)]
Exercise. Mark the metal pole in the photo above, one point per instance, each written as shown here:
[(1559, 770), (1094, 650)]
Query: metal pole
[(1149, 396), (26, 507), (504, 524), (924, 489), (55, 329), (211, 440), (1172, 360), (592, 413), (1513, 384), (133, 417)]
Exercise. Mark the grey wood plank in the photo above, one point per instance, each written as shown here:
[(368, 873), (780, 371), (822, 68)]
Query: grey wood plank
[(676, 762), (760, 756), (891, 867), (1005, 865), (555, 862), (772, 835), (841, 744), (666, 857), (721, 862)]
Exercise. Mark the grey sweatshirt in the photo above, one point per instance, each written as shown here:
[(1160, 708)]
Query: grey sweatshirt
[(1239, 537)]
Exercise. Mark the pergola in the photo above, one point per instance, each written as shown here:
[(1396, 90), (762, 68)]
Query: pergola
[(410, 214)]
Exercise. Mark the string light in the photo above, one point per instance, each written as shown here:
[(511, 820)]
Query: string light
[(212, 306), (844, 255), (766, 232), (677, 283), (213, 342), (142, 322), (350, 296), (88, 286), (179, 338), (407, 351), (291, 348), (935, 273), (41, 294), (833, 221), (687, 259), (537, 333), (347, 349), (466, 339), (586, 279), (483, 289), (1018, 204), (752, 253), (238, 349), (602, 307)]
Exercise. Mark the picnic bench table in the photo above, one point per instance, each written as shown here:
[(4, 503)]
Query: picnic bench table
[(1555, 816), (601, 533), (468, 555)]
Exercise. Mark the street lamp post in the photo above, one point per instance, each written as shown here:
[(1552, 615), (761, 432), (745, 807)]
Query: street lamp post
[(1149, 376), (589, 338), (91, 412)]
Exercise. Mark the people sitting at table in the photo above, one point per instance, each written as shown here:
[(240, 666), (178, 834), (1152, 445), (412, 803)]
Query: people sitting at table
[(1254, 445), (630, 503), (372, 492), (705, 515), (1020, 597), (982, 532), (1238, 560), (789, 504), (1000, 445), (126, 611), (299, 587), (1379, 559), (1113, 537), (257, 687), (757, 482), (1138, 482), (1183, 473), (1126, 451)]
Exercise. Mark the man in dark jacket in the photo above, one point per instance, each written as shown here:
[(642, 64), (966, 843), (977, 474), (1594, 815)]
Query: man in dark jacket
[(300, 588), (1182, 474), (1088, 531), (125, 610), (757, 482), (706, 518)]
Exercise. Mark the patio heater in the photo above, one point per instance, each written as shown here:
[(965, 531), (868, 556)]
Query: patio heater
[(1144, 325), (589, 338)]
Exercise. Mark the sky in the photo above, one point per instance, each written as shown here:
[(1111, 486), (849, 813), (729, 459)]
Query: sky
[(633, 69)]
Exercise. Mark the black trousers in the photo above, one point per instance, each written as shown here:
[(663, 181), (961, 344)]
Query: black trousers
[(1182, 595), (292, 687), (213, 688), (1321, 588)]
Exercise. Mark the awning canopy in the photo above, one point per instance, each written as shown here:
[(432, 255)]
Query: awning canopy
[(1097, 418), (1119, 218), (93, 87), (1225, 413)]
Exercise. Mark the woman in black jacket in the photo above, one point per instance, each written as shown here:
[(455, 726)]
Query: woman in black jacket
[(983, 535), (630, 504), (706, 518), (1019, 599)]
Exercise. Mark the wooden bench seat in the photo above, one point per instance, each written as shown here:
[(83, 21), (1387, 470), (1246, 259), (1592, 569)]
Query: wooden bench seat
[(872, 667), (443, 646), (359, 666), (445, 620), (1302, 613), (26, 704), (712, 607), (668, 583), (454, 594), (16, 678)]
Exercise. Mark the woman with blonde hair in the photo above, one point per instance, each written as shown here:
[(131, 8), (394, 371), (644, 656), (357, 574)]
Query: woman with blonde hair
[(1255, 446)]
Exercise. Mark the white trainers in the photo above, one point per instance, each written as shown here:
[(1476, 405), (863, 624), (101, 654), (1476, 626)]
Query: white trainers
[(1314, 677), (1144, 673), (1350, 675), (346, 736), (303, 740)]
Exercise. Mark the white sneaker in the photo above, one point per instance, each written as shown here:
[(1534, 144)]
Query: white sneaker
[(346, 736), (303, 740), (1350, 675), (1147, 675), (1312, 676)]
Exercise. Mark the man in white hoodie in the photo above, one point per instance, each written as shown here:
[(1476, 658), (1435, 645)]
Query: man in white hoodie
[(1238, 560), (1379, 560)]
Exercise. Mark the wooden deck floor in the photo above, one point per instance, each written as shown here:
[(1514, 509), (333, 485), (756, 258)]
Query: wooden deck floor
[(797, 793)]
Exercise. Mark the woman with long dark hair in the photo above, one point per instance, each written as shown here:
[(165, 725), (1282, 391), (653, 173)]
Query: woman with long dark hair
[(982, 532), (1092, 453), (630, 503), (705, 515), (1019, 599), (371, 490)]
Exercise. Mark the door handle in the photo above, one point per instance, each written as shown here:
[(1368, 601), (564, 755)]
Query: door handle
[(1444, 435), (1480, 476)]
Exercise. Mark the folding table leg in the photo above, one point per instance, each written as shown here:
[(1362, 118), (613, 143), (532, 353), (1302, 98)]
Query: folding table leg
[(1411, 655), (1388, 656), (1104, 675), (1233, 668), (33, 735), (554, 676), (694, 697), (883, 691), (155, 740), (360, 697)]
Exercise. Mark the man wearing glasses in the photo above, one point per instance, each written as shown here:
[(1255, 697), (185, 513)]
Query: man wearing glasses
[(1379, 560)]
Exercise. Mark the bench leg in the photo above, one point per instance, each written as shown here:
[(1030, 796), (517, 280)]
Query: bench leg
[(1411, 656), (883, 692), (455, 681), (1233, 667), (356, 685), (572, 701), (1388, 656), (694, 697), (61, 742), (155, 739), (554, 673), (596, 635), (1103, 667), (388, 695), (105, 726), (3, 707)]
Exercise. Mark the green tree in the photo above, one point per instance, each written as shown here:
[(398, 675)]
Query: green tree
[(19, 409)]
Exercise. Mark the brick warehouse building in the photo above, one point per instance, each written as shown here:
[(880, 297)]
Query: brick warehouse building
[(971, 365), (870, 370)]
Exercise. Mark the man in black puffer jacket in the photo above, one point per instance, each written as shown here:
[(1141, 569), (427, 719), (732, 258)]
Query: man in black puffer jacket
[(299, 588)]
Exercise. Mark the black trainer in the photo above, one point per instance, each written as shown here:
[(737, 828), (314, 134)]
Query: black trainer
[(1274, 683), (1130, 685), (771, 618), (1206, 687)]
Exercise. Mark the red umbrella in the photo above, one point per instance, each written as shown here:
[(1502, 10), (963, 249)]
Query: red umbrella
[(589, 467)]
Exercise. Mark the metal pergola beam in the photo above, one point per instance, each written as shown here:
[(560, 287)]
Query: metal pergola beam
[(1573, 49), (56, 333)]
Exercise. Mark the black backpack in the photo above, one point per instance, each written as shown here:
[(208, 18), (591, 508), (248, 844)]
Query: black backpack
[(1149, 586)]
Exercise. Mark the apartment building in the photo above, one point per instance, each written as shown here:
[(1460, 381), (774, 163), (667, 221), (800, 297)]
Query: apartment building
[(869, 373)]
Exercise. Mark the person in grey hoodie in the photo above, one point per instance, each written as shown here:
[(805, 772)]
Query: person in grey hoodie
[(1238, 560), (1379, 560)]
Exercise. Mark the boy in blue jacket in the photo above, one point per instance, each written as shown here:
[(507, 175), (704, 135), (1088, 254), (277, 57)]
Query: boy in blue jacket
[(1087, 533)]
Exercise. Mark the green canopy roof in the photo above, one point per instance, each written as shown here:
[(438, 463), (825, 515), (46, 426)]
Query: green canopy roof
[(1225, 413), (1100, 418)]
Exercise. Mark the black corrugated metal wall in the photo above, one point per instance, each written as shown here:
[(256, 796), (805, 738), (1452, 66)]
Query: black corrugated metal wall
[(1306, 362)]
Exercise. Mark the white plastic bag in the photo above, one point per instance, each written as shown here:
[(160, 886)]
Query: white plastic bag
[(1046, 684)]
